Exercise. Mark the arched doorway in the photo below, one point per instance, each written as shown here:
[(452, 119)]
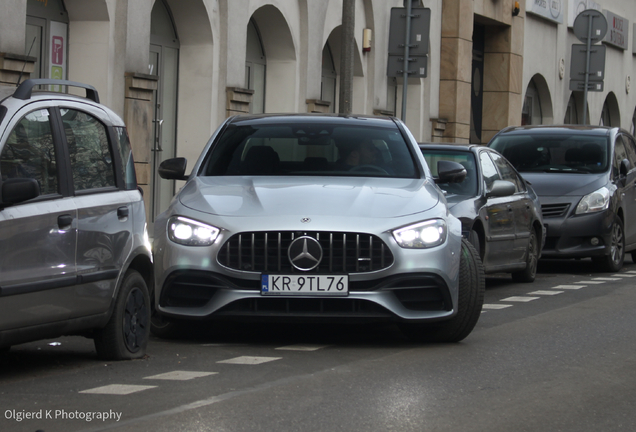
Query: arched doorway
[(633, 128), (47, 39), (164, 62), (537, 104), (255, 68), (610, 114), (329, 78)]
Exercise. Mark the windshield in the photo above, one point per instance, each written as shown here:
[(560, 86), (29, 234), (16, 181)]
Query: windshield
[(323, 149), (565, 153), (468, 187)]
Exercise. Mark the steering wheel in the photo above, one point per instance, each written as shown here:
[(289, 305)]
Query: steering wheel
[(369, 168)]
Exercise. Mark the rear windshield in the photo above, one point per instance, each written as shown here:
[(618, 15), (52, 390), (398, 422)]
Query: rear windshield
[(323, 149), (468, 187), (555, 153)]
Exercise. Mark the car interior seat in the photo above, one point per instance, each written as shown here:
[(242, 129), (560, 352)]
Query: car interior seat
[(260, 160)]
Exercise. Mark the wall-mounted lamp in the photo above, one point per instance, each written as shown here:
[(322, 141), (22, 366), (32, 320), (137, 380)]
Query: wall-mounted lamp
[(516, 9), (366, 40)]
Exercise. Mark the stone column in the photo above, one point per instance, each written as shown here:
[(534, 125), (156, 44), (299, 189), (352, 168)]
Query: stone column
[(455, 69), (12, 65), (317, 106), (139, 114)]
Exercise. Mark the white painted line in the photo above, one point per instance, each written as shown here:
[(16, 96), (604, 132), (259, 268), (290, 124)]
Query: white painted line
[(180, 375), (624, 275), (495, 306), (570, 287), (632, 271), (520, 299), (302, 347), (606, 279), (117, 389), (593, 282), (249, 360), (539, 293)]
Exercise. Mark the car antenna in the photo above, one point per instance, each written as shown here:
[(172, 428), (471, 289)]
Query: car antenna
[(25, 62)]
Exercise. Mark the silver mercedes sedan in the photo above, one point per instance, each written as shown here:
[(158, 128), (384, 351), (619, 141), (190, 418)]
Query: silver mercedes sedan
[(314, 217)]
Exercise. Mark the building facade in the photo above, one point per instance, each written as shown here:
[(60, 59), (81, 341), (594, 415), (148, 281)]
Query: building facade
[(175, 69)]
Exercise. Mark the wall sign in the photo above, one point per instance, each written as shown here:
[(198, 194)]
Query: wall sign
[(58, 49), (617, 30), (551, 10), (578, 6)]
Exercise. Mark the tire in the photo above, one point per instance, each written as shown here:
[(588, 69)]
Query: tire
[(532, 260), (613, 262), (634, 256), (126, 334), (473, 238), (472, 285)]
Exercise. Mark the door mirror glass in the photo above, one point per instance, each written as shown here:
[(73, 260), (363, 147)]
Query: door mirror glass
[(173, 169)]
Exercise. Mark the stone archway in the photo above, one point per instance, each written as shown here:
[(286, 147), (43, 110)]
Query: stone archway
[(611, 114)]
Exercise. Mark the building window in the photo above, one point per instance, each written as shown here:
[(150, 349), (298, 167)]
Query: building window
[(571, 115), (329, 77), (531, 113)]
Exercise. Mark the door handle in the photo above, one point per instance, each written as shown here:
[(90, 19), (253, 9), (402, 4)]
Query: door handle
[(64, 222), (122, 212)]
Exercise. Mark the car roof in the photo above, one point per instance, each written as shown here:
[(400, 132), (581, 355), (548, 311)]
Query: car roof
[(557, 129), (362, 120), (450, 146)]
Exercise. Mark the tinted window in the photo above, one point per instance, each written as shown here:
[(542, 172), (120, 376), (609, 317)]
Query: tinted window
[(29, 152), (507, 172), (630, 150), (128, 164), (488, 170), (310, 149), (566, 153), (469, 186), (91, 160)]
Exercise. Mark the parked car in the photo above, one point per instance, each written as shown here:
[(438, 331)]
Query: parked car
[(499, 211), (314, 217), (584, 176), (74, 251)]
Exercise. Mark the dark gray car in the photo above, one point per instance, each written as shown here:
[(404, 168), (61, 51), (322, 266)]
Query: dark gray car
[(499, 211), (584, 176), (74, 251)]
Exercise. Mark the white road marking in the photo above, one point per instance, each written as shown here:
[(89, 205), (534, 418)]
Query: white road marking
[(540, 292), (249, 360), (606, 279), (519, 299), (624, 275), (180, 375), (302, 347), (495, 306), (632, 271), (593, 282), (118, 389), (570, 287)]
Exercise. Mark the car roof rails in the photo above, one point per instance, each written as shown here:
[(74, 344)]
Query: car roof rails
[(23, 92)]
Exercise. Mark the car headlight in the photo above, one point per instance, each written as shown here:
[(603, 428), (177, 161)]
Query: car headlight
[(189, 232), (594, 202), (422, 235)]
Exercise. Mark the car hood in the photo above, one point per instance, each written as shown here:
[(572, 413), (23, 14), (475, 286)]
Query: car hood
[(560, 184), (317, 196)]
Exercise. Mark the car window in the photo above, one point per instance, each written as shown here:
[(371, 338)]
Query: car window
[(127, 161), (91, 158), (629, 149), (488, 170), (29, 152), (558, 152), (310, 149), (469, 186), (619, 154), (507, 172)]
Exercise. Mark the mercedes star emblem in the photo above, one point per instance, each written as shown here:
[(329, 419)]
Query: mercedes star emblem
[(305, 253)]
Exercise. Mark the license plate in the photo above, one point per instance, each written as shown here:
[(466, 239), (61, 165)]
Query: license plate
[(304, 285)]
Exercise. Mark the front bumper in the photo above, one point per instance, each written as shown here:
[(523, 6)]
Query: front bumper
[(577, 236)]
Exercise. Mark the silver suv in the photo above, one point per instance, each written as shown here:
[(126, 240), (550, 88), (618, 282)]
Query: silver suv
[(74, 251)]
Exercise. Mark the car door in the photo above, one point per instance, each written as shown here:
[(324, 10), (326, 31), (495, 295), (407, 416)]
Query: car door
[(500, 234), (628, 186), (105, 217), (521, 207), (38, 238)]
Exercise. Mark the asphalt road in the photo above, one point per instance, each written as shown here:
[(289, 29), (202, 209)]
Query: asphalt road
[(555, 355)]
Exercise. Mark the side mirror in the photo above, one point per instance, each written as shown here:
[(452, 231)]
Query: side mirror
[(501, 188), (17, 190), (450, 172), (173, 169), (625, 167)]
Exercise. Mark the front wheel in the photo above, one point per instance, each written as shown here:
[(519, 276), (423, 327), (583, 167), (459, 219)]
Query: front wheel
[(532, 260), (126, 334), (613, 261), (472, 286)]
